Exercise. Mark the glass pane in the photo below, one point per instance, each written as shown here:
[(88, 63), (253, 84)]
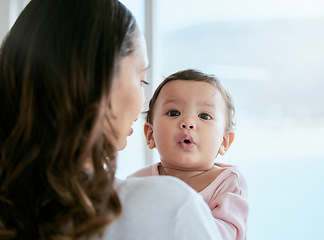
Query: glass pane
[(269, 55)]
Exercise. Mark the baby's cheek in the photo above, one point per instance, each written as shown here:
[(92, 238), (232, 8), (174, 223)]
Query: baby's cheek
[(161, 139)]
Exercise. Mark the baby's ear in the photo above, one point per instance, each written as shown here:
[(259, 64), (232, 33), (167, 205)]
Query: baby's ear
[(148, 132), (227, 141)]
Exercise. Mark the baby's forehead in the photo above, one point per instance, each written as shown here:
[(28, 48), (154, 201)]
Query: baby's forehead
[(175, 90), (177, 83)]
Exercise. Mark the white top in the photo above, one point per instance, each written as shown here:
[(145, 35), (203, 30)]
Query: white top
[(161, 208)]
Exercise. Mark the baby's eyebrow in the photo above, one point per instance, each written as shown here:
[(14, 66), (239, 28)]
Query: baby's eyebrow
[(207, 104), (181, 101)]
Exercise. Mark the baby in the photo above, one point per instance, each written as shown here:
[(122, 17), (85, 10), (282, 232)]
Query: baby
[(190, 122)]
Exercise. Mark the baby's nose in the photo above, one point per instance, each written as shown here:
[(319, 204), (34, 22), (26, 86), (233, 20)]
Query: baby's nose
[(187, 125)]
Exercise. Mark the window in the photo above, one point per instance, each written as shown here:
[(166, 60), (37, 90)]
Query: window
[(269, 55)]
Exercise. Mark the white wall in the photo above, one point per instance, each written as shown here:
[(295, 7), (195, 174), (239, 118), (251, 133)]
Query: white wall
[(4, 18)]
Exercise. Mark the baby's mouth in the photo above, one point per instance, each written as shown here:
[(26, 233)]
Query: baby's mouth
[(187, 140)]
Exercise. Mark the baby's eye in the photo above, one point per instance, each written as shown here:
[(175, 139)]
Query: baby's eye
[(204, 116), (173, 113)]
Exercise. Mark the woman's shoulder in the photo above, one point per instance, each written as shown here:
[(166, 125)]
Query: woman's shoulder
[(142, 187), (160, 207), (153, 191)]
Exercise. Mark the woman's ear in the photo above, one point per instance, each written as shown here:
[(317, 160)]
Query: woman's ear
[(148, 132), (227, 141)]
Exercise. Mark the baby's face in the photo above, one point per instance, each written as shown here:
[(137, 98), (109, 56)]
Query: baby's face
[(189, 124)]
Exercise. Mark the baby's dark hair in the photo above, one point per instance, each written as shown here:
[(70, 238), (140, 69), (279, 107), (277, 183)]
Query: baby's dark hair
[(195, 75)]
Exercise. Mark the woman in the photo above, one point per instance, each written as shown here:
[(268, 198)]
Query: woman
[(71, 75)]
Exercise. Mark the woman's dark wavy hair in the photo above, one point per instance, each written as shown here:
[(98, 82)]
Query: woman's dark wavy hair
[(56, 69)]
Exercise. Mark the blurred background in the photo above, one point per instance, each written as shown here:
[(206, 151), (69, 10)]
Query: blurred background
[(269, 55)]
